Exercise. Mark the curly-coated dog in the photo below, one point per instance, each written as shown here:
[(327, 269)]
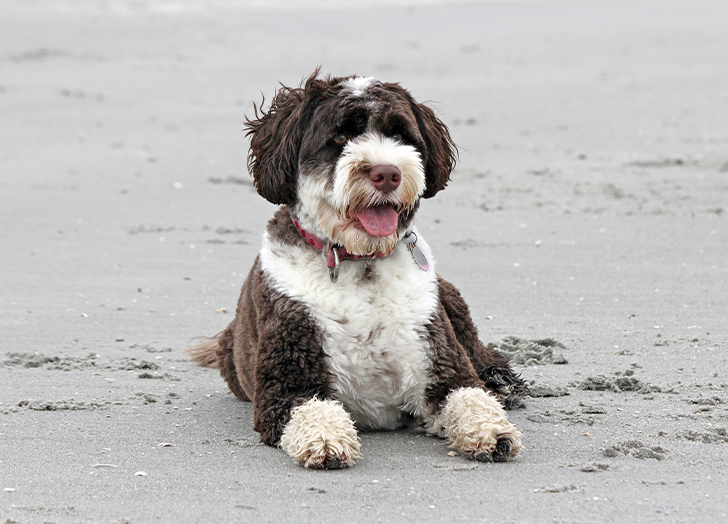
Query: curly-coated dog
[(342, 323)]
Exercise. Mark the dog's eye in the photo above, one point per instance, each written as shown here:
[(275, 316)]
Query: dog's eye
[(340, 139), (397, 137)]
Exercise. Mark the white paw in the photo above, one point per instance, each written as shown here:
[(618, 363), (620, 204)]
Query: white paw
[(321, 435), (476, 426)]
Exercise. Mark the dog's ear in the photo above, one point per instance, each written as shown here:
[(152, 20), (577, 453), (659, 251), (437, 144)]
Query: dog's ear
[(275, 141), (441, 150)]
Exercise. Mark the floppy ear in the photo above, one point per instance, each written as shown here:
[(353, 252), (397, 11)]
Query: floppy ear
[(441, 150), (275, 140)]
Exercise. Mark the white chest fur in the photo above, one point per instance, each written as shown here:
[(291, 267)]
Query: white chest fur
[(374, 324)]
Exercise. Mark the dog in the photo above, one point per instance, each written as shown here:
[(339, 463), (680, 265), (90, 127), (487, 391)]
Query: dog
[(342, 324)]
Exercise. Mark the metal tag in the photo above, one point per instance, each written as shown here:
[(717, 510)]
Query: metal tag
[(333, 268), (420, 258), (417, 254)]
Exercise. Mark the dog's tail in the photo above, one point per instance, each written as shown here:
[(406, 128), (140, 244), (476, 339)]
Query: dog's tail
[(205, 353)]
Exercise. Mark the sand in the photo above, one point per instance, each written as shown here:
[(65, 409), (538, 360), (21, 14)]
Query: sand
[(585, 224)]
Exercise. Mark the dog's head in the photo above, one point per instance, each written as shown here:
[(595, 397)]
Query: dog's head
[(352, 157)]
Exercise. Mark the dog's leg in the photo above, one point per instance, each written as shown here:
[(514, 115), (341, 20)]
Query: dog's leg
[(292, 401), (464, 410), (492, 368), (476, 426), (321, 435)]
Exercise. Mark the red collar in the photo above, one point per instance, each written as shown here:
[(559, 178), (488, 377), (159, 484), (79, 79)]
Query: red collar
[(331, 257)]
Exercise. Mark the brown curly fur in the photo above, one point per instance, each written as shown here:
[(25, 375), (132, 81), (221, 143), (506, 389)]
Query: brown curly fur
[(272, 352)]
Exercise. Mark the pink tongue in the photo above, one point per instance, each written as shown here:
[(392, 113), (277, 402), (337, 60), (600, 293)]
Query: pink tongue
[(379, 221)]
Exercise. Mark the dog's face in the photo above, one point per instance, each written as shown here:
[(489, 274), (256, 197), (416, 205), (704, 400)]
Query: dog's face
[(352, 157)]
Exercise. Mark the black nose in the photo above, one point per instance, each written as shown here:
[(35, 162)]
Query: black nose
[(385, 178)]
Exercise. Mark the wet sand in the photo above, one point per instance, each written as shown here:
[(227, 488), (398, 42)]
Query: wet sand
[(585, 224)]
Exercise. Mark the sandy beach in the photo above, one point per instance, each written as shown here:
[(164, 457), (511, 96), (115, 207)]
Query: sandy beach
[(585, 223)]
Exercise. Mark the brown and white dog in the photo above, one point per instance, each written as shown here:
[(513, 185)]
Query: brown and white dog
[(343, 324)]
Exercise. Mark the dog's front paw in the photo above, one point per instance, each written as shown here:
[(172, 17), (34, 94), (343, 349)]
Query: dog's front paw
[(476, 426), (321, 435)]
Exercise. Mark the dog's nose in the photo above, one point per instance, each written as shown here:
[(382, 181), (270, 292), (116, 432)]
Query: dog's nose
[(385, 178)]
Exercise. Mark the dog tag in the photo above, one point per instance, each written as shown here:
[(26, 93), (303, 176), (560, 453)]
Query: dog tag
[(332, 260), (417, 254), (420, 258)]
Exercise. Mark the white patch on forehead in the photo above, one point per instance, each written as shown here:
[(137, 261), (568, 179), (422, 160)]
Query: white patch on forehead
[(358, 85)]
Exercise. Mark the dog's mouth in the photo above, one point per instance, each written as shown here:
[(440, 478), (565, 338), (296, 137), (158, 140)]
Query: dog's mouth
[(379, 221)]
